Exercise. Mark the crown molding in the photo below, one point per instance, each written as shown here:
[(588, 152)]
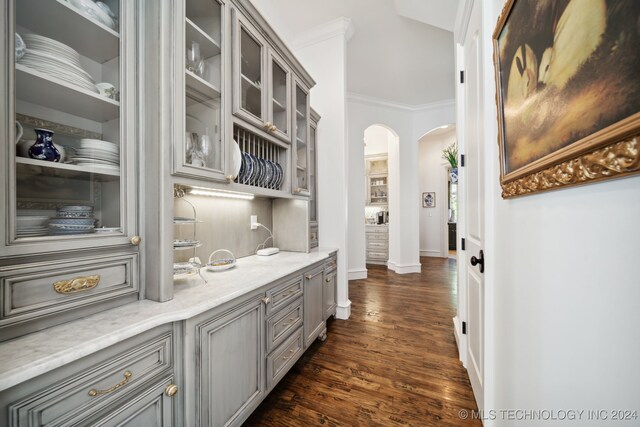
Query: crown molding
[(379, 102), (338, 27), (462, 20)]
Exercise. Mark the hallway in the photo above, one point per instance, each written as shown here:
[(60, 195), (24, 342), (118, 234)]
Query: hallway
[(394, 362)]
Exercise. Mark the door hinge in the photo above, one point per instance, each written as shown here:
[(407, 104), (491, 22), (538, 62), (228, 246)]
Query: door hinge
[(462, 244), (461, 76), (464, 328), (462, 160)]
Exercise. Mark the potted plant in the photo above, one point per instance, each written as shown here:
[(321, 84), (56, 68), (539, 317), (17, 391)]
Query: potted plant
[(450, 154)]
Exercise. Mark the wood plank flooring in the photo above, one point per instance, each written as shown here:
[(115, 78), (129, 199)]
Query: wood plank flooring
[(393, 363)]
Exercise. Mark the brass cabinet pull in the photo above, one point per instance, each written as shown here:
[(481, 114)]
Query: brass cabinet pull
[(328, 279), (266, 300), (311, 276), (230, 178), (267, 125), (291, 322), (297, 190), (273, 128), (127, 376), (135, 240), (77, 284), (290, 354), (171, 390)]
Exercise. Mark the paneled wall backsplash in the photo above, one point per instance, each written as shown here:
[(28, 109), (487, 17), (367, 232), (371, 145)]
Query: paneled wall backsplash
[(225, 225)]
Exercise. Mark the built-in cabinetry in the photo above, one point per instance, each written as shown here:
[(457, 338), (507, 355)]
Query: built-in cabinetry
[(377, 180), (313, 180), (70, 156), (377, 244), (132, 383)]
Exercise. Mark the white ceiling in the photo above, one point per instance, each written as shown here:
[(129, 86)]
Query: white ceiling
[(390, 57)]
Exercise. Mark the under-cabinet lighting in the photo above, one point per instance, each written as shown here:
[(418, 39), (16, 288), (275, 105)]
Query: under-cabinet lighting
[(221, 193)]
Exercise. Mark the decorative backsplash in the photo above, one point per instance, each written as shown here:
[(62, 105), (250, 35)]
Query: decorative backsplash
[(225, 225)]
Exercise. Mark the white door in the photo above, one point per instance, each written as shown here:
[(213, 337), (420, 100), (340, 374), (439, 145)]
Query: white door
[(474, 202)]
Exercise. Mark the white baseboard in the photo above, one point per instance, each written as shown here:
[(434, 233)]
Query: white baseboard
[(357, 274), (431, 253), (343, 311), (403, 269)]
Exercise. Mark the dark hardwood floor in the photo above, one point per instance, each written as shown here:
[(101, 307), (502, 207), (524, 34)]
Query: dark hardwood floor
[(394, 362)]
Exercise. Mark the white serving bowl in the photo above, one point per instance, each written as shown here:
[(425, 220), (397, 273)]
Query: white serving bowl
[(31, 221)]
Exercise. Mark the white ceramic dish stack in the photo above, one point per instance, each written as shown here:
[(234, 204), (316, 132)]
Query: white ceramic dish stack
[(31, 226), (98, 153), (57, 60)]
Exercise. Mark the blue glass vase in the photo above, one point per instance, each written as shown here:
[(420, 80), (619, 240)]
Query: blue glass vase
[(43, 148)]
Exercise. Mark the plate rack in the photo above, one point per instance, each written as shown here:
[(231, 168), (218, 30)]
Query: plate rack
[(266, 152)]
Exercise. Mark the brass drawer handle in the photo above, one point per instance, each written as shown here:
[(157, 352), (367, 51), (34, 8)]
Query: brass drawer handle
[(328, 279), (135, 240), (127, 376), (311, 276), (171, 390), (267, 126), (290, 354), (77, 284), (266, 300)]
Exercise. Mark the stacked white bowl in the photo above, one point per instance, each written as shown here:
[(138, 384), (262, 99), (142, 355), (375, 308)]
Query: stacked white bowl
[(72, 220), (31, 225), (98, 153)]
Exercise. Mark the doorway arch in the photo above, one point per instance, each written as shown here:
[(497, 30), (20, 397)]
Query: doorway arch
[(381, 139), (434, 180)]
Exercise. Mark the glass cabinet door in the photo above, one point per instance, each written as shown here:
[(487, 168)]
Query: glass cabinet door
[(70, 181), (249, 79), (279, 113), (301, 145), (313, 179), (202, 152)]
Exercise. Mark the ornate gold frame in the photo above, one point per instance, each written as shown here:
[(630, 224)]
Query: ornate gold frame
[(612, 152)]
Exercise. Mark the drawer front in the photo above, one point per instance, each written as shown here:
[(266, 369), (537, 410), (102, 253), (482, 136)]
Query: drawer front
[(378, 245), (283, 323), (313, 237), (377, 237), (87, 393), (68, 290), (377, 230), (377, 255), (283, 358), (283, 295), (332, 263)]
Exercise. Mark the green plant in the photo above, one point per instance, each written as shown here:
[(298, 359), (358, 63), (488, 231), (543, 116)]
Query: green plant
[(450, 154)]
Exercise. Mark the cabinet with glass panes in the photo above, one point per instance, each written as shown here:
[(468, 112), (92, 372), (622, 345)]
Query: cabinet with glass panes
[(201, 150), (69, 234), (300, 172)]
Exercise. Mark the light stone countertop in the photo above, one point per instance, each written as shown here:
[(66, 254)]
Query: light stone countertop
[(34, 354)]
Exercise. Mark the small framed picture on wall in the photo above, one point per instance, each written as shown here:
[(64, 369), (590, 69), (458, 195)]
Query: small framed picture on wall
[(429, 200)]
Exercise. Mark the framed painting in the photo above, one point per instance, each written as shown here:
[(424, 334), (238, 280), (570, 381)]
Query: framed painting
[(429, 200), (568, 92)]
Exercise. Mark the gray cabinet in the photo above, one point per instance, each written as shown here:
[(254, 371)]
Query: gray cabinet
[(314, 324), (329, 288), (69, 231), (225, 369), (301, 155), (377, 244), (125, 384), (313, 180)]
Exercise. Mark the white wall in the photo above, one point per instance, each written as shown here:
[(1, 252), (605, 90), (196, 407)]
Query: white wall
[(410, 125), (376, 140), (563, 290), (434, 178)]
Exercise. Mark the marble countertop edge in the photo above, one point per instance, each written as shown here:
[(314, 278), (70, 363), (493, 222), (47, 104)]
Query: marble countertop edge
[(26, 357)]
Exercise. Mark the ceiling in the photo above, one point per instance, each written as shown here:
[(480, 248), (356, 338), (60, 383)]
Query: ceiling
[(403, 60)]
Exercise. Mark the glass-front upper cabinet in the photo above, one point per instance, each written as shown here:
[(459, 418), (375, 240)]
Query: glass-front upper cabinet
[(69, 145), (300, 172), (203, 150), (262, 82), (249, 73), (279, 98), (313, 168)]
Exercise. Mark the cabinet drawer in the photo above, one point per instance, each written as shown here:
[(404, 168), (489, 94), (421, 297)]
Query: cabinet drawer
[(89, 392), (374, 245), (332, 263), (377, 237), (283, 358), (377, 255), (283, 295), (283, 323), (36, 296), (377, 230)]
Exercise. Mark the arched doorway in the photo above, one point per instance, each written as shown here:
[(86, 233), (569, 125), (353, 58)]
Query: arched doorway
[(381, 181), (439, 193)]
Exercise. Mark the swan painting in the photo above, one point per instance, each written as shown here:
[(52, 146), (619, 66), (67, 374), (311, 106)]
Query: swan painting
[(567, 72)]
